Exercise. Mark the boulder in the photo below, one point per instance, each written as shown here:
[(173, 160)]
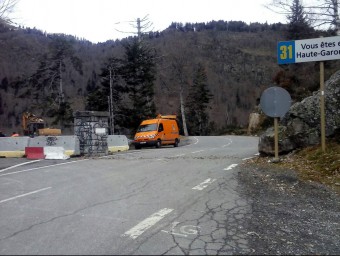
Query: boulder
[(300, 126)]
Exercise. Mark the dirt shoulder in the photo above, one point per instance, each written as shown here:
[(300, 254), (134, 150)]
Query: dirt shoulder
[(290, 215)]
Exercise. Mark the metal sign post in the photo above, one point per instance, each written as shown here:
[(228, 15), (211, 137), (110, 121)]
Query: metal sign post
[(322, 106), (276, 131), (275, 102)]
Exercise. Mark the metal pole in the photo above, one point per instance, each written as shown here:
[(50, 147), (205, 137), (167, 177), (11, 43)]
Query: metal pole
[(322, 106), (61, 93), (276, 135), (111, 106), (108, 103)]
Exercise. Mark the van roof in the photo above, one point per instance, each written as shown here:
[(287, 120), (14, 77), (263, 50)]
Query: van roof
[(159, 116), (150, 121)]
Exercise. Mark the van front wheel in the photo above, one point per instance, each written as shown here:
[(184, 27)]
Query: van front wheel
[(176, 143), (158, 144)]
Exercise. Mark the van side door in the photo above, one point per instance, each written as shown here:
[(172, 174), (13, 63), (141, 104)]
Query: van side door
[(161, 132)]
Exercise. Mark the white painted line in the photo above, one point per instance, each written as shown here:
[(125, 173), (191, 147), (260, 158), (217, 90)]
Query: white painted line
[(147, 223), (42, 167), (226, 145), (17, 165), (204, 184), (179, 155), (247, 158), (230, 167), (30, 193), (123, 153), (197, 151)]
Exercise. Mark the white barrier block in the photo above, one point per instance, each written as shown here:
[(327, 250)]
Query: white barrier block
[(55, 153)]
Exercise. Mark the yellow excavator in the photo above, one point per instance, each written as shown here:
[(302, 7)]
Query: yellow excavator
[(35, 126)]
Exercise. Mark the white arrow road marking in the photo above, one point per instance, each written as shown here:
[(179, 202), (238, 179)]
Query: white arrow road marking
[(42, 167), (230, 167), (14, 166), (147, 223), (204, 184), (30, 193)]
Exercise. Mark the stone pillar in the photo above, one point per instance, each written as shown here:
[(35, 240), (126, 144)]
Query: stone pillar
[(91, 127)]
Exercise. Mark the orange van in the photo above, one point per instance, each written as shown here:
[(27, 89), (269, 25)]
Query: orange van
[(163, 130)]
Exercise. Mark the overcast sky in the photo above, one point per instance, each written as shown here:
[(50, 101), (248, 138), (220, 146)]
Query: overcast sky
[(99, 20)]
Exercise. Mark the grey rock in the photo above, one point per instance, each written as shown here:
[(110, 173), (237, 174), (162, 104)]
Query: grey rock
[(301, 125)]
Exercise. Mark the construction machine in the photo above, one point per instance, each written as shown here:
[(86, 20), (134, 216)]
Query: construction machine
[(35, 126)]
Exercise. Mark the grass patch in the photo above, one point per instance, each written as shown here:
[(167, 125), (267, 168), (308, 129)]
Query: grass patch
[(312, 164)]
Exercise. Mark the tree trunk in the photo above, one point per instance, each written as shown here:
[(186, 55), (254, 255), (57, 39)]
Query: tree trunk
[(185, 129)]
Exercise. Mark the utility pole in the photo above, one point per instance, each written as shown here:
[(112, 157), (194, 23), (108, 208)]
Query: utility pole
[(139, 30), (112, 127), (61, 93)]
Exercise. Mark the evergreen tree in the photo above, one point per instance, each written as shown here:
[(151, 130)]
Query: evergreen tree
[(1, 107), (139, 75), (298, 27), (197, 103), (46, 85), (62, 115), (99, 99), (4, 84)]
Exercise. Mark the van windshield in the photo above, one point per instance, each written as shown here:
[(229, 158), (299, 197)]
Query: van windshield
[(147, 128)]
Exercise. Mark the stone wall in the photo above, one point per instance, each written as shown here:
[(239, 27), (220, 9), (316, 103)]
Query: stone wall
[(91, 127)]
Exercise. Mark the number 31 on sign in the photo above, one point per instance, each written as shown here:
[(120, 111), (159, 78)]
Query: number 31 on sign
[(286, 52)]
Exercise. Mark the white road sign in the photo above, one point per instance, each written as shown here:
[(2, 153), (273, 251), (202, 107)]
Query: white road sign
[(317, 49)]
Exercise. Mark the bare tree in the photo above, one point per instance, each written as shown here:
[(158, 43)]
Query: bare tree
[(319, 12), (325, 12), (142, 25), (6, 8), (177, 69)]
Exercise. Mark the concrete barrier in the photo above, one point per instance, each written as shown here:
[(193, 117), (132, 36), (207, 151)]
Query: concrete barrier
[(55, 153), (13, 146), (117, 143), (69, 143)]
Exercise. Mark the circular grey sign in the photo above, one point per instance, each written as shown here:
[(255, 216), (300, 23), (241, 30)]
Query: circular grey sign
[(275, 101)]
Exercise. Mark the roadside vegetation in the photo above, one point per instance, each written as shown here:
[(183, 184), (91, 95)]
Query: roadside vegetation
[(311, 163)]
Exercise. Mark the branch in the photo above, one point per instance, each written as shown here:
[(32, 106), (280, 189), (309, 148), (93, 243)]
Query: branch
[(6, 7)]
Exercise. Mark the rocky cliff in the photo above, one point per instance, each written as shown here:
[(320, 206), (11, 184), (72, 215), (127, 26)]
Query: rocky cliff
[(301, 127)]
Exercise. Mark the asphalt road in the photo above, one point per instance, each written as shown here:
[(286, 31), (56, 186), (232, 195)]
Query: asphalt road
[(152, 201)]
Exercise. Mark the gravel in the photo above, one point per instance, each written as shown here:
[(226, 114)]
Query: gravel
[(288, 215)]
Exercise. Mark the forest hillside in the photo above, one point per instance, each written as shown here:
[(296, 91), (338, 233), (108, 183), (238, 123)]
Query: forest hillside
[(239, 62)]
